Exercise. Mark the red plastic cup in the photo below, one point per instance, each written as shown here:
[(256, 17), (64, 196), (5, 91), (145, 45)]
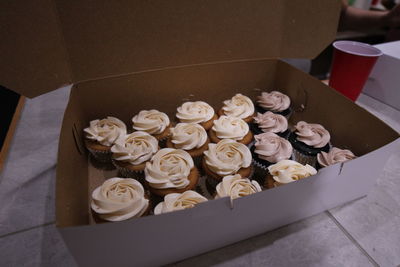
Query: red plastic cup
[(351, 66)]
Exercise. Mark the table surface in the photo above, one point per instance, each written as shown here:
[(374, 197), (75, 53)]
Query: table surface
[(365, 232)]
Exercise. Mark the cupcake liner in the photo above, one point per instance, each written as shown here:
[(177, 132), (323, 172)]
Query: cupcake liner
[(304, 159), (211, 185), (100, 155), (128, 173)]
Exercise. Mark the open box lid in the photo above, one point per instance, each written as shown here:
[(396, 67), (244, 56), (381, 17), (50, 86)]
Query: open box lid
[(49, 43)]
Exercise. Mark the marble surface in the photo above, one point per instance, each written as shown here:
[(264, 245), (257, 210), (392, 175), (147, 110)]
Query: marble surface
[(365, 232)]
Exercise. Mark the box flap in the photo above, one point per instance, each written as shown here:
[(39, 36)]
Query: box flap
[(107, 38), (32, 53)]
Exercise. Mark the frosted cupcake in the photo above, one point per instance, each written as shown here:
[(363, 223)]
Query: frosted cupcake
[(119, 199), (177, 201), (287, 171), (227, 127), (197, 112), (226, 158), (308, 140), (153, 122), (275, 102), (190, 137), (101, 135), (234, 186), (171, 171), (239, 106), (269, 122), (270, 148), (132, 151), (335, 155)]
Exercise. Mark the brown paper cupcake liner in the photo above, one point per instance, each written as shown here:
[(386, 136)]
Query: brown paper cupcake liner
[(304, 159), (127, 173)]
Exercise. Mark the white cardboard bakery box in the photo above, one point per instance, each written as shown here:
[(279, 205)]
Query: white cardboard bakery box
[(383, 83), (123, 57)]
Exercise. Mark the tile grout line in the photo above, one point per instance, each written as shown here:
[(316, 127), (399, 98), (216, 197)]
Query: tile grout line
[(27, 229), (351, 238)]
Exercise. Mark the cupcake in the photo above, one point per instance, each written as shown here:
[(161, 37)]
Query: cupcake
[(239, 106), (335, 155), (308, 140), (270, 148), (227, 127), (197, 112), (269, 122), (101, 135), (226, 158), (171, 171), (190, 137), (119, 199), (287, 171), (131, 152), (275, 102), (177, 201), (234, 186), (153, 122)]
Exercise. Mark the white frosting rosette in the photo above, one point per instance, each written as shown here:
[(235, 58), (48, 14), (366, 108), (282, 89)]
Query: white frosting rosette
[(287, 171), (239, 106), (176, 201), (135, 148), (150, 121), (335, 155), (188, 136), (169, 168), (274, 101), (119, 199), (227, 157), (230, 127), (234, 186), (105, 131), (195, 112)]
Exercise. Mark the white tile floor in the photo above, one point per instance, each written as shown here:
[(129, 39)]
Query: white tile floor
[(365, 232)]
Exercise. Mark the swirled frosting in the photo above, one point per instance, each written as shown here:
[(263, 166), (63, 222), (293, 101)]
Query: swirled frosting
[(312, 134), (169, 168), (119, 199), (287, 171), (274, 101), (335, 155), (176, 201), (271, 122), (230, 127), (135, 148), (227, 157), (105, 131), (195, 112), (188, 136), (235, 186), (272, 148), (239, 106), (150, 121)]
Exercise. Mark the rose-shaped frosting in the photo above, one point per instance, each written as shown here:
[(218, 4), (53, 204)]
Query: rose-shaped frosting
[(135, 148), (312, 134), (105, 131), (169, 168), (230, 127), (150, 121), (227, 157), (274, 101), (335, 155), (271, 122), (119, 199), (188, 136), (239, 106), (235, 186), (287, 171), (195, 112), (176, 201), (272, 148)]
